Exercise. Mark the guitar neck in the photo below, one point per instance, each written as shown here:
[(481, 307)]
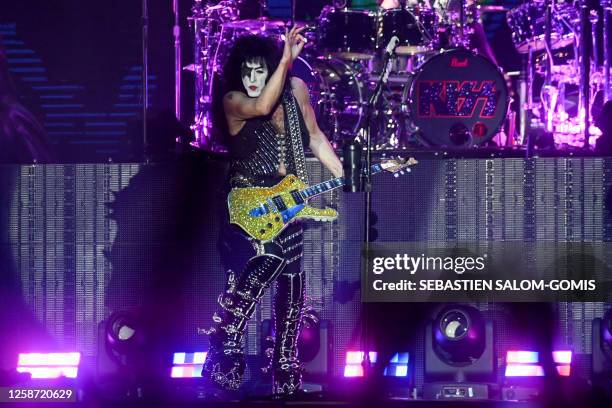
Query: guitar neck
[(332, 184)]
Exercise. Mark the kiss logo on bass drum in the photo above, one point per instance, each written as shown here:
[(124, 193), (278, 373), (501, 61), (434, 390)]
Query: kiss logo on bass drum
[(457, 98)]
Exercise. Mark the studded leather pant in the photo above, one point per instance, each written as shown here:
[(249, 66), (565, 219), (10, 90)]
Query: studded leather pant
[(280, 261)]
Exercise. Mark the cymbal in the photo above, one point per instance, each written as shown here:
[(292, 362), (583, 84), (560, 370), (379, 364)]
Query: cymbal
[(413, 49), (255, 25), (491, 9)]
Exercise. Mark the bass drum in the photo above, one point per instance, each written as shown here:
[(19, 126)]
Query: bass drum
[(336, 94), (457, 99)]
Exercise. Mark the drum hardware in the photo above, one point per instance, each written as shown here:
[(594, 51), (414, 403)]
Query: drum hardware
[(176, 31), (607, 9), (584, 108), (206, 22), (342, 67), (348, 34), (145, 74), (573, 83)]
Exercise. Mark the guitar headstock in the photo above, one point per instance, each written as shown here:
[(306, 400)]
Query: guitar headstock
[(398, 166)]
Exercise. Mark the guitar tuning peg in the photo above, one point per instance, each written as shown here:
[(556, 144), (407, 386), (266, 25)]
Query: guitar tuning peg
[(402, 172), (396, 175)]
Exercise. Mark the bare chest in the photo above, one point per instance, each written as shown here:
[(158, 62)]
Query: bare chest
[(278, 119)]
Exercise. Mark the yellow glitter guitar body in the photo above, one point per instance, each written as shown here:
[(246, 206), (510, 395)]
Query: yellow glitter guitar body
[(263, 212), (247, 208)]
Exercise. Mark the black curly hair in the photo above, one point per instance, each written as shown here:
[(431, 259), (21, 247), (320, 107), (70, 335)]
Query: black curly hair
[(246, 48), (252, 48)]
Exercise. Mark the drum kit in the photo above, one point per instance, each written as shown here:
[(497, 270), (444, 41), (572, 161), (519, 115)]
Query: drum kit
[(440, 93), (565, 83)]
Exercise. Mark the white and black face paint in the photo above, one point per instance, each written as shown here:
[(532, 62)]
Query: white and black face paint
[(254, 75)]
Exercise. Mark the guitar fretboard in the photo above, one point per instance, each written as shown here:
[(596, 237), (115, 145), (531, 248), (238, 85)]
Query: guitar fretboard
[(331, 184)]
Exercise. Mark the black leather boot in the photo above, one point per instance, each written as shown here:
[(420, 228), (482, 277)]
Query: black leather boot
[(288, 309), (225, 363)]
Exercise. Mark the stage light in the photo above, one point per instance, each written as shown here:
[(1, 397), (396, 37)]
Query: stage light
[(187, 365), (124, 337), (562, 356), (398, 365), (521, 363), (354, 362), (524, 370), (522, 357), (49, 365), (563, 361), (353, 371), (527, 363), (459, 335), (459, 359)]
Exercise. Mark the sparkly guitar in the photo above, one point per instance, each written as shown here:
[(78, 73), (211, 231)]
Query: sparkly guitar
[(263, 212)]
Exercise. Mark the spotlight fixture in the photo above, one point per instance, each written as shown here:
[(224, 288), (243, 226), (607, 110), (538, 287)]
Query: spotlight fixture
[(459, 336), (459, 360), (124, 337), (123, 358)]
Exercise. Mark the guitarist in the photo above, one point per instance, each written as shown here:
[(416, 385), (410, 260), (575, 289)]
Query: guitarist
[(268, 123)]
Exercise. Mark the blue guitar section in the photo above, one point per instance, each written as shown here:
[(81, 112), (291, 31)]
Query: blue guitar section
[(291, 212)]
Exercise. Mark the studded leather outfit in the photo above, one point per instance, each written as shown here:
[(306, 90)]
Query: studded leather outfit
[(257, 151)]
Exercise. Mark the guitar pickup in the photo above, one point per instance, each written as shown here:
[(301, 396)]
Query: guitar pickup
[(297, 197), (280, 204)]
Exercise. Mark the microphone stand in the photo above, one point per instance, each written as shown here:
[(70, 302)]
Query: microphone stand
[(367, 176), (145, 76), (177, 60)]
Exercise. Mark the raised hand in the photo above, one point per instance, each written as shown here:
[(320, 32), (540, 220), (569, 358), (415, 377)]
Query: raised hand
[(294, 42)]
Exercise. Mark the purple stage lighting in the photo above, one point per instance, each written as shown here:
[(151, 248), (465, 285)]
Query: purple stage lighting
[(520, 363), (524, 370), (563, 360), (526, 363), (354, 360), (398, 365), (522, 357), (49, 365), (187, 365)]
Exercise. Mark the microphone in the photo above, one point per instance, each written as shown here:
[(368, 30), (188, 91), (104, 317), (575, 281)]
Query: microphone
[(352, 167), (389, 54), (390, 49)]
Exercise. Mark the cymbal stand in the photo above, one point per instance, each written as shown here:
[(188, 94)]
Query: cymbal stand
[(462, 23), (526, 100), (177, 59), (607, 9), (549, 102), (145, 75), (585, 72)]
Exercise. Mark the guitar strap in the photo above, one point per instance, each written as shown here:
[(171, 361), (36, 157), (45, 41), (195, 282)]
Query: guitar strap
[(295, 134)]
